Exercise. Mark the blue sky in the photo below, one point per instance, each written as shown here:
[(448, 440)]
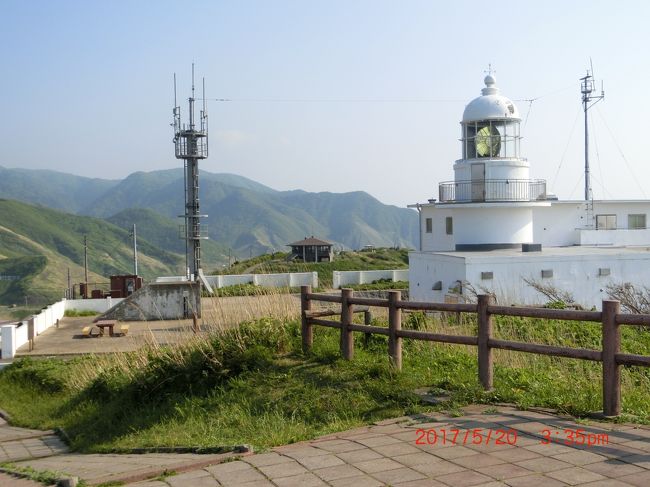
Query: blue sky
[(326, 96)]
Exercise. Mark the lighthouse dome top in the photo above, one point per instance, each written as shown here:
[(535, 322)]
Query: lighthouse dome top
[(490, 105)]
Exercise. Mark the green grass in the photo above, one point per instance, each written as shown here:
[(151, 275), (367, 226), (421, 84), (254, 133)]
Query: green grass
[(380, 285), (381, 258), (71, 313), (253, 386)]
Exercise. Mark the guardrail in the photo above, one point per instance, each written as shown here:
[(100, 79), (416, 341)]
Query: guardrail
[(610, 318)]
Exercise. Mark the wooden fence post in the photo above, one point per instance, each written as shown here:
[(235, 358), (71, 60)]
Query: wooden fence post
[(611, 370), (306, 329), (367, 320), (347, 314), (394, 325), (484, 335)]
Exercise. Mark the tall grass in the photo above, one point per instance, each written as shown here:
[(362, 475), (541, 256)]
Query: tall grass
[(252, 384)]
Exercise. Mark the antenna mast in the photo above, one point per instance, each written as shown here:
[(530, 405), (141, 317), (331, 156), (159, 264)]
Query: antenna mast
[(588, 101), (191, 145)]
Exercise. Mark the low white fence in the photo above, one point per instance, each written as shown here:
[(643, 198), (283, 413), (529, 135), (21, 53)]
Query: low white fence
[(15, 335), (286, 279), (346, 278)]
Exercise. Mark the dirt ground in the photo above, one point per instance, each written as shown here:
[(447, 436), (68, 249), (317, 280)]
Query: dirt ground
[(218, 313)]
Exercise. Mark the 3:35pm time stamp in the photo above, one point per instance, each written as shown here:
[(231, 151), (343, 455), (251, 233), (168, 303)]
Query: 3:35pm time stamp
[(489, 436)]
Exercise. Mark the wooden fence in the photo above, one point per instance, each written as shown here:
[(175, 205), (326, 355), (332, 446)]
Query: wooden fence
[(610, 318)]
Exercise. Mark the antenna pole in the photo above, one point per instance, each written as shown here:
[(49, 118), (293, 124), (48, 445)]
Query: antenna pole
[(85, 267), (135, 252), (587, 175), (588, 101)]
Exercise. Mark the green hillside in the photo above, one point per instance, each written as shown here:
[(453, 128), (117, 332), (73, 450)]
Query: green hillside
[(243, 215), (381, 258), (31, 234), (165, 233)]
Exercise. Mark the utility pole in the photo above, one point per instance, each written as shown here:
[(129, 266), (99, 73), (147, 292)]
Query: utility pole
[(135, 252), (85, 294), (69, 293)]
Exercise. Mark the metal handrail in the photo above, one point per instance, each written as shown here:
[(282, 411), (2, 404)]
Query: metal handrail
[(492, 190)]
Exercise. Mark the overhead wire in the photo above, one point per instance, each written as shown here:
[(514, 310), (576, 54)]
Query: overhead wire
[(600, 167), (627, 163), (566, 148)]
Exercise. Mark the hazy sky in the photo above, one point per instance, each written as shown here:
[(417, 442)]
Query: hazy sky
[(325, 95)]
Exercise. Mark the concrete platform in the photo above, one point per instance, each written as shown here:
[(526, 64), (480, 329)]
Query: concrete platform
[(218, 313)]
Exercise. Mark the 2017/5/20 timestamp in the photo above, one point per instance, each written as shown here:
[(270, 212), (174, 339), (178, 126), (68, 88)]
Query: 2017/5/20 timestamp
[(574, 437)]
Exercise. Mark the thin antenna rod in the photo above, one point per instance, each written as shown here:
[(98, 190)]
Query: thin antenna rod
[(192, 80), (203, 96), (175, 102)]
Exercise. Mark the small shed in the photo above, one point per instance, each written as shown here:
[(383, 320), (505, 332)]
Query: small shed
[(312, 250)]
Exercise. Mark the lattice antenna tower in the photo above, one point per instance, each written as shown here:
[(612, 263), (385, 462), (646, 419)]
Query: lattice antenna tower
[(191, 145), (589, 99)]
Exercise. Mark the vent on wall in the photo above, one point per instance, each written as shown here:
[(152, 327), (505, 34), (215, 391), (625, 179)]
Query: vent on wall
[(487, 275), (547, 272), (531, 247), (604, 271), (437, 286)]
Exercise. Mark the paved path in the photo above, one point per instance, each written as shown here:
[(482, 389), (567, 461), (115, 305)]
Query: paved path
[(409, 451), (388, 454)]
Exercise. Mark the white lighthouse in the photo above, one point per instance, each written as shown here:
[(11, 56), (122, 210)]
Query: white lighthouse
[(495, 228)]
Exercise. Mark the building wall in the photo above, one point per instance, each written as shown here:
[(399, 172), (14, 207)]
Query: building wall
[(438, 239), (480, 225), (426, 269), (579, 274)]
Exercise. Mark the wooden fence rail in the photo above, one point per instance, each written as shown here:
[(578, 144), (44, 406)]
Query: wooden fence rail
[(610, 318)]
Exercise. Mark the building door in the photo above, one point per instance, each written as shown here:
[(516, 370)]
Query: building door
[(478, 182)]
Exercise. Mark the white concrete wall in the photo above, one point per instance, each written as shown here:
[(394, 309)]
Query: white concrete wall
[(426, 269), (438, 239), (15, 336), (493, 225), (287, 279), (98, 305), (346, 278), (577, 274), (618, 237)]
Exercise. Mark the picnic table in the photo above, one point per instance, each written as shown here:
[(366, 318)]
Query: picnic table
[(102, 324)]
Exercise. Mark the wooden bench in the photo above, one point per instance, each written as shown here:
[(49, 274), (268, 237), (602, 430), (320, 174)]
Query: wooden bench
[(87, 331)]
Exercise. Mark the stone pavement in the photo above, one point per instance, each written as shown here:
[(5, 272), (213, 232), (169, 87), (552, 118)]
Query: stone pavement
[(21, 444), (402, 452), (486, 446)]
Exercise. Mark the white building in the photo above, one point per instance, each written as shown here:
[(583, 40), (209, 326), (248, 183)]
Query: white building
[(494, 227)]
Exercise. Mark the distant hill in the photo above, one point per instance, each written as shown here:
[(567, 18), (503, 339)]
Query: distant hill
[(38, 245), (243, 215), (165, 233)]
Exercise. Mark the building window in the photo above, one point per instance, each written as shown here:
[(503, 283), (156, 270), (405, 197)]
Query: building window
[(429, 225), (636, 222), (605, 222), (449, 225)]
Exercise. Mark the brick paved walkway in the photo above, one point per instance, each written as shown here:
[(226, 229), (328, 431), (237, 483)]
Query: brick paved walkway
[(20, 443), (387, 454)]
